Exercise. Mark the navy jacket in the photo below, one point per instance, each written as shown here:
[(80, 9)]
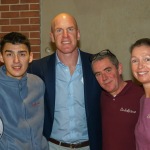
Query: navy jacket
[(45, 68)]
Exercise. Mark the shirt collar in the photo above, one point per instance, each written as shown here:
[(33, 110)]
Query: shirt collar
[(78, 61)]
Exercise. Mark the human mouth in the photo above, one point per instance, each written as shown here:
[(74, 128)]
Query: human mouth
[(65, 42), (107, 82), (16, 67), (142, 73)]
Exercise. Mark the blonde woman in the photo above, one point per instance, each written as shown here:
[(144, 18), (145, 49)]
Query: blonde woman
[(140, 63)]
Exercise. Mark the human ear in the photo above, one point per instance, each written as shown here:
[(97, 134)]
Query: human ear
[(1, 58)]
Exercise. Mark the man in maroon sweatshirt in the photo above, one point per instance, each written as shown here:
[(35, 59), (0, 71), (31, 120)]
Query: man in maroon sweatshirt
[(119, 102)]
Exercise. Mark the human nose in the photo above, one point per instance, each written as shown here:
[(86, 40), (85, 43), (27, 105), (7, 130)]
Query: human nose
[(104, 77), (140, 64), (16, 58), (65, 33)]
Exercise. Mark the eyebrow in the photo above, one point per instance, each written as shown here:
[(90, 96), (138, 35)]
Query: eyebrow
[(20, 51), (96, 73), (107, 68), (103, 70), (66, 28)]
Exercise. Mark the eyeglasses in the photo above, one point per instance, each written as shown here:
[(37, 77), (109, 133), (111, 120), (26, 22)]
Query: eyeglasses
[(101, 53)]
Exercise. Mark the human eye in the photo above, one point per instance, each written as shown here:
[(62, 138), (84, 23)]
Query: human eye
[(71, 29), (133, 60), (147, 59), (22, 54), (108, 70), (59, 30), (9, 54), (97, 74)]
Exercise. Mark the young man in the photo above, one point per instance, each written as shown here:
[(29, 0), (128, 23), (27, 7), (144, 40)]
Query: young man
[(21, 97), (119, 102), (72, 112)]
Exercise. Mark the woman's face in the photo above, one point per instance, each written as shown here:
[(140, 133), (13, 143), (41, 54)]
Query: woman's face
[(140, 63)]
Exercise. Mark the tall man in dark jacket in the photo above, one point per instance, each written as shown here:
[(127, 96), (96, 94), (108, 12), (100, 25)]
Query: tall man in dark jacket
[(72, 96)]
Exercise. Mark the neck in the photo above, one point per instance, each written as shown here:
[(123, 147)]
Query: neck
[(69, 59), (147, 90), (121, 86)]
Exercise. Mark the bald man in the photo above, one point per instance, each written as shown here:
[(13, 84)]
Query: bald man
[(72, 96)]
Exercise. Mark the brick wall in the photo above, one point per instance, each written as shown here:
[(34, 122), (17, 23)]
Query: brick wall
[(22, 16)]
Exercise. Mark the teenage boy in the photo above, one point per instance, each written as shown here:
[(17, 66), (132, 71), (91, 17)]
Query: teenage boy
[(21, 97)]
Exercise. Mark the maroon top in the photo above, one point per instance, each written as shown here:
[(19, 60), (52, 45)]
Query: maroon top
[(119, 117)]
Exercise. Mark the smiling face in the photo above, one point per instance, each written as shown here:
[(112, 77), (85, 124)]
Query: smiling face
[(16, 58), (107, 75), (65, 33), (140, 63)]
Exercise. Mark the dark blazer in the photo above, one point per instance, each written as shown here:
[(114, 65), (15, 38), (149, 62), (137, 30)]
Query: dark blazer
[(45, 68)]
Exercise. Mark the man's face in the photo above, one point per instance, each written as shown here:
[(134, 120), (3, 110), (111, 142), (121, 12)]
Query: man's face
[(16, 58), (107, 75), (65, 34)]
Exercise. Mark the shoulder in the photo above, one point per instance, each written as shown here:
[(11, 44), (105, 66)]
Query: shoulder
[(134, 87), (40, 66), (85, 58), (34, 79), (41, 60), (133, 84), (35, 83), (85, 54)]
